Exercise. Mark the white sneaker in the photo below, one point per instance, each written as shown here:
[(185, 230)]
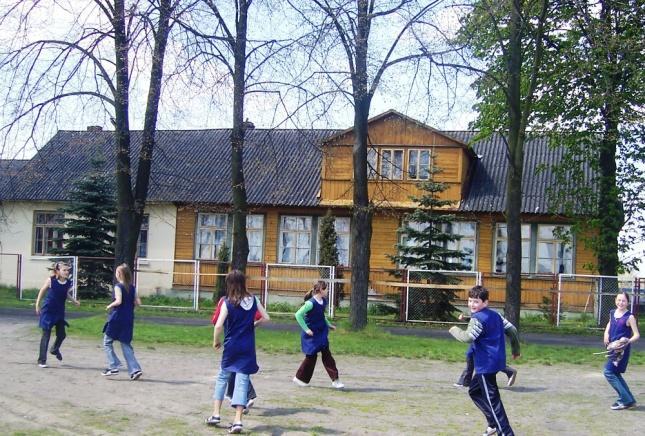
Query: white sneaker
[(299, 382), (490, 431), (337, 384), (512, 378)]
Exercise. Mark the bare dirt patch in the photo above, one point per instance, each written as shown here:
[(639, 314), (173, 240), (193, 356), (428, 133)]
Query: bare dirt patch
[(383, 396)]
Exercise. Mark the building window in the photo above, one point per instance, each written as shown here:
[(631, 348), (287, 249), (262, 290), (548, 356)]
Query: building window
[(467, 244), (255, 235), (372, 163), (48, 232), (392, 164), (211, 234), (543, 251), (142, 242), (553, 255), (501, 245), (342, 227), (419, 164), (295, 239)]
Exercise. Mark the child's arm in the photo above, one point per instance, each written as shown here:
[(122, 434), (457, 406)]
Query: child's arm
[(71, 298), (329, 324), (41, 292), (261, 314), (469, 335), (511, 332), (606, 336), (219, 327), (118, 298), (634, 325), (300, 317)]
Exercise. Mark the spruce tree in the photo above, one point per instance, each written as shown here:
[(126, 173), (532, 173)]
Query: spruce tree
[(329, 251), (90, 229), (427, 249)]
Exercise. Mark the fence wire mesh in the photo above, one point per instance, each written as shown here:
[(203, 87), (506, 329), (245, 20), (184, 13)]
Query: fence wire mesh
[(288, 283)]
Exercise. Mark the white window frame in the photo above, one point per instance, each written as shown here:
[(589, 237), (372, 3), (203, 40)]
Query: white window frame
[(458, 245), (297, 233), (343, 253), (213, 230), (559, 260), (499, 258), (417, 166), (56, 224), (145, 230), (388, 172), (372, 163), (250, 230)]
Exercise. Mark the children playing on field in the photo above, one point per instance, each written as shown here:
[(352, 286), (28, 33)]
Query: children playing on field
[(236, 320), (622, 325), (120, 324), (486, 331), (52, 313), (314, 336)]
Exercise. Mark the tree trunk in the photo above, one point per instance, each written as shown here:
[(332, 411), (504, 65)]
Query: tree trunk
[(515, 142), (240, 205), (361, 226)]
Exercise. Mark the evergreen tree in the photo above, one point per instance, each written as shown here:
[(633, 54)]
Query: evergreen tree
[(222, 270), (90, 229), (329, 251), (427, 247)]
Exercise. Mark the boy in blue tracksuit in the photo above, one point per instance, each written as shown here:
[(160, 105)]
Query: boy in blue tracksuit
[(486, 331)]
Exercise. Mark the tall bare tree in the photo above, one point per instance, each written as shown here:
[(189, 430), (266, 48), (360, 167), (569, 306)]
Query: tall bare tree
[(355, 44), (94, 62)]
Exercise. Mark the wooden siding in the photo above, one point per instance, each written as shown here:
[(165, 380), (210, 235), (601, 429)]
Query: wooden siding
[(384, 240), (185, 236)]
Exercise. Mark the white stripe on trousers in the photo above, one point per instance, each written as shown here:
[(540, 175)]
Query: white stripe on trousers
[(490, 403)]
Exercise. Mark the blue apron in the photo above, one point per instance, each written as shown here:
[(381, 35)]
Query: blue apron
[(317, 323), (239, 339), (120, 322), (53, 310)]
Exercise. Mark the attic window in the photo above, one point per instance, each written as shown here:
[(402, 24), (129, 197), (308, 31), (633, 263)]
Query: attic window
[(392, 164), (419, 164)]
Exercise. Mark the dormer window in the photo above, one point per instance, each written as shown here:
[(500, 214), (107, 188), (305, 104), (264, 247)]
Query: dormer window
[(418, 164)]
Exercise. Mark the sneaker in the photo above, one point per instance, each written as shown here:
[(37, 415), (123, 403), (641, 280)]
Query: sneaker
[(299, 382), (236, 428), (212, 420), (135, 375), (337, 384), (512, 378), (460, 385), (42, 365), (490, 431), (57, 354), (617, 406), (109, 372)]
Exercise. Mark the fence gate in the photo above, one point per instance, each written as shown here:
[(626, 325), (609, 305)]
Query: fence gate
[(288, 282), (425, 300)]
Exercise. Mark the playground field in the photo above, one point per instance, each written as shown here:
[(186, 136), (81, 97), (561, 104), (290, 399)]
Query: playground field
[(382, 396)]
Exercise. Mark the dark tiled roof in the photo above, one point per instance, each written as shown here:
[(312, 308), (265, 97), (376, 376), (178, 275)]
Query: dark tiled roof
[(281, 167), (487, 190)]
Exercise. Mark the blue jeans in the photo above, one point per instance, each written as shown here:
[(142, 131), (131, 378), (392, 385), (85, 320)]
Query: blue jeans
[(617, 382), (239, 393), (128, 354)]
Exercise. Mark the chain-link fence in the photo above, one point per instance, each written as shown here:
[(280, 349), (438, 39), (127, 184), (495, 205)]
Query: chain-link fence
[(45, 266), (430, 295), (288, 283), (168, 283)]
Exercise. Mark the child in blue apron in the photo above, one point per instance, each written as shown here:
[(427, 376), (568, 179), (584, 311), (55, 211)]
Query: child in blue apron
[(52, 314), (236, 319), (314, 336), (120, 324), (622, 324)]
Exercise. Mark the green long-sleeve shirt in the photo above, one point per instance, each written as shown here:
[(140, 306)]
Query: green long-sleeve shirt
[(300, 315)]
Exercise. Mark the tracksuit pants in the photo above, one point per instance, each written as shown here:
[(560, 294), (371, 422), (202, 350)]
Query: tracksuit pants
[(44, 341), (485, 394), (306, 370)]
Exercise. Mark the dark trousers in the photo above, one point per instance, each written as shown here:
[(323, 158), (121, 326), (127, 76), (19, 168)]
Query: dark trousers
[(485, 394), (306, 370), (230, 387), (467, 375), (44, 341)]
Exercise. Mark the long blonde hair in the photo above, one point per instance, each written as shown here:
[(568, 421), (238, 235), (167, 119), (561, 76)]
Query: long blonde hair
[(126, 275), (319, 286)]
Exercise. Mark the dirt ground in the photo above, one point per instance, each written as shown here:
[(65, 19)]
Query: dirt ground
[(383, 396)]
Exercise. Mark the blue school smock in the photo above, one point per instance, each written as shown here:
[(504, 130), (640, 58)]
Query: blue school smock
[(120, 321), (618, 328), (317, 323), (239, 338), (53, 310), (489, 349)]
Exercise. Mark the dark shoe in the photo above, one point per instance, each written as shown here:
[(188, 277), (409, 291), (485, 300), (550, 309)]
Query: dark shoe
[(109, 372), (213, 420), (135, 375), (57, 354), (512, 377), (236, 428)]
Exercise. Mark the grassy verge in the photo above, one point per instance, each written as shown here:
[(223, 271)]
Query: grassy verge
[(372, 342)]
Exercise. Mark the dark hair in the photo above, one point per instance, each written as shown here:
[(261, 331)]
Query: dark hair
[(318, 286), (236, 287), (625, 294), (478, 292), (126, 275)]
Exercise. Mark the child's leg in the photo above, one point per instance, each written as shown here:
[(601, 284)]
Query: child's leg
[(240, 393), (230, 385), (44, 343), (112, 359), (485, 394), (467, 375), (60, 336), (251, 395), (220, 387), (306, 370), (330, 363), (629, 396), (130, 359), (618, 383)]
